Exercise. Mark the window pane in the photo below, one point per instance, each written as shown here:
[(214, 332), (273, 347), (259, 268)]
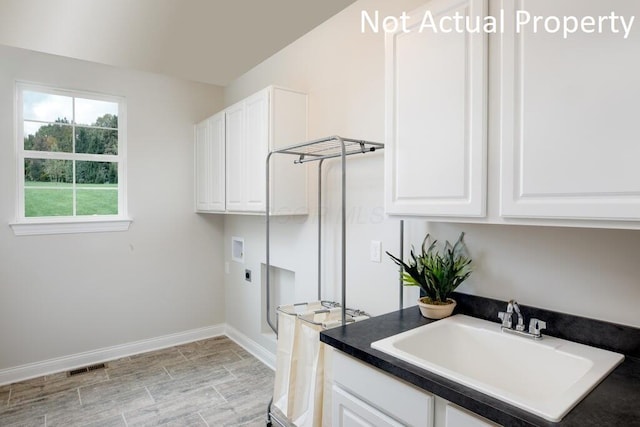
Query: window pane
[(46, 107), (96, 173), (48, 187), (97, 188), (48, 137), (100, 201), (96, 141), (48, 202), (49, 173), (96, 113)]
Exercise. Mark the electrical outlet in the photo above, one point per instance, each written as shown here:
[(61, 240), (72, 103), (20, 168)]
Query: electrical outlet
[(376, 251), (247, 275)]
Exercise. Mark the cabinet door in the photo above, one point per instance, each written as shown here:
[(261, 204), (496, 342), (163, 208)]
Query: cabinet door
[(401, 401), (569, 116), (202, 148), (459, 418), (273, 117), (216, 138), (235, 157), (435, 154), (349, 411), (210, 164), (256, 148)]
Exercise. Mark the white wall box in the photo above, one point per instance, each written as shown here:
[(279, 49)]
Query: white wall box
[(435, 143), (365, 396), (209, 161), (569, 117), (237, 249), (271, 118)]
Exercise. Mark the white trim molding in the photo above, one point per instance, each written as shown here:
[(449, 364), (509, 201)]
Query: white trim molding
[(67, 227), (259, 352), (65, 363)]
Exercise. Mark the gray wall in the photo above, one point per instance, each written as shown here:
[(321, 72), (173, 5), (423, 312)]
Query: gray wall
[(65, 294)]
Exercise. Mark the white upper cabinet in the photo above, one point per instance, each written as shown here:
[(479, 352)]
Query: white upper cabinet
[(549, 135), (235, 143), (210, 158), (569, 122), (256, 151), (274, 117), (435, 144), (231, 167), (248, 146)]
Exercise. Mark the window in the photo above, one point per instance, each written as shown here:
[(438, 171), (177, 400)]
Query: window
[(71, 160)]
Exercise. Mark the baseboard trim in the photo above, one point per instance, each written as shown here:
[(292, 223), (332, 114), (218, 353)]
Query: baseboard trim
[(65, 363), (258, 351)]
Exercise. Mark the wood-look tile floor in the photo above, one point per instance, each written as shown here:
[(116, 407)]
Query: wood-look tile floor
[(213, 382)]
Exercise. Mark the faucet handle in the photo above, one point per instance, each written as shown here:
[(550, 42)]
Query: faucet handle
[(506, 319), (536, 326)]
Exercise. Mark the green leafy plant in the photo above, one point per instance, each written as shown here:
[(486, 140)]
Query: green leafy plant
[(437, 272)]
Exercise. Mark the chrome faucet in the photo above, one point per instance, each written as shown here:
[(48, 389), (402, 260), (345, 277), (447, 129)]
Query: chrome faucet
[(535, 325)]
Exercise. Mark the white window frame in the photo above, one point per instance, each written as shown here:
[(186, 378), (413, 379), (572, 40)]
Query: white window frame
[(69, 224)]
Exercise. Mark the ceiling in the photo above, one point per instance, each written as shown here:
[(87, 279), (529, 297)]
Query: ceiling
[(211, 41)]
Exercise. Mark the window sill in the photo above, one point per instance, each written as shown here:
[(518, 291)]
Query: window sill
[(61, 226)]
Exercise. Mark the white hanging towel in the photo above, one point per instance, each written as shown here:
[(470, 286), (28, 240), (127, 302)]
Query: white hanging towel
[(303, 380), (286, 361), (309, 380), (311, 395), (288, 356)]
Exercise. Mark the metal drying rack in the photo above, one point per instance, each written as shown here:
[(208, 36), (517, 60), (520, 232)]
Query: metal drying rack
[(318, 150), (327, 308)]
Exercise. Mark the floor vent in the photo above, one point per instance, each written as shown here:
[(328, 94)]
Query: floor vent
[(86, 369)]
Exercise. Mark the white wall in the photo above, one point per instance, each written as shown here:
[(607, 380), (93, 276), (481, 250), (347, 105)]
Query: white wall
[(584, 272), (65, 294)]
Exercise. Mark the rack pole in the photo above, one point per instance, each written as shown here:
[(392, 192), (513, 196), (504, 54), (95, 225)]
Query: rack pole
[(267, 255), (402, 258), (320, 229), (344, 231)]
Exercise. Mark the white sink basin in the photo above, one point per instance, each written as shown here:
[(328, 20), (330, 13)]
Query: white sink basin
[(547, 377)]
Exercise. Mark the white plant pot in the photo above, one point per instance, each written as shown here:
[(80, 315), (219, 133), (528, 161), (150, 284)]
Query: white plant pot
[(436, 311)]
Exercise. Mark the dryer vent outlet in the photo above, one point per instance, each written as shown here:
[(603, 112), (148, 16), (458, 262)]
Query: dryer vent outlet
[(86, 369)]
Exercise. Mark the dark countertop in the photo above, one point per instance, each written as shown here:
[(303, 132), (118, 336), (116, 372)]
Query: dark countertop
[(614, 402)]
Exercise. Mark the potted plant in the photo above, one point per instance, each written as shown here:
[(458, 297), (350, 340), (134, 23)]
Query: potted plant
[(438, 272)]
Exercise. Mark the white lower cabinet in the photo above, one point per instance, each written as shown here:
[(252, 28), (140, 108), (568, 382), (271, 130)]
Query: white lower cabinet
[(379, 393), (365, 396), (352, 412), (457, 417)]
